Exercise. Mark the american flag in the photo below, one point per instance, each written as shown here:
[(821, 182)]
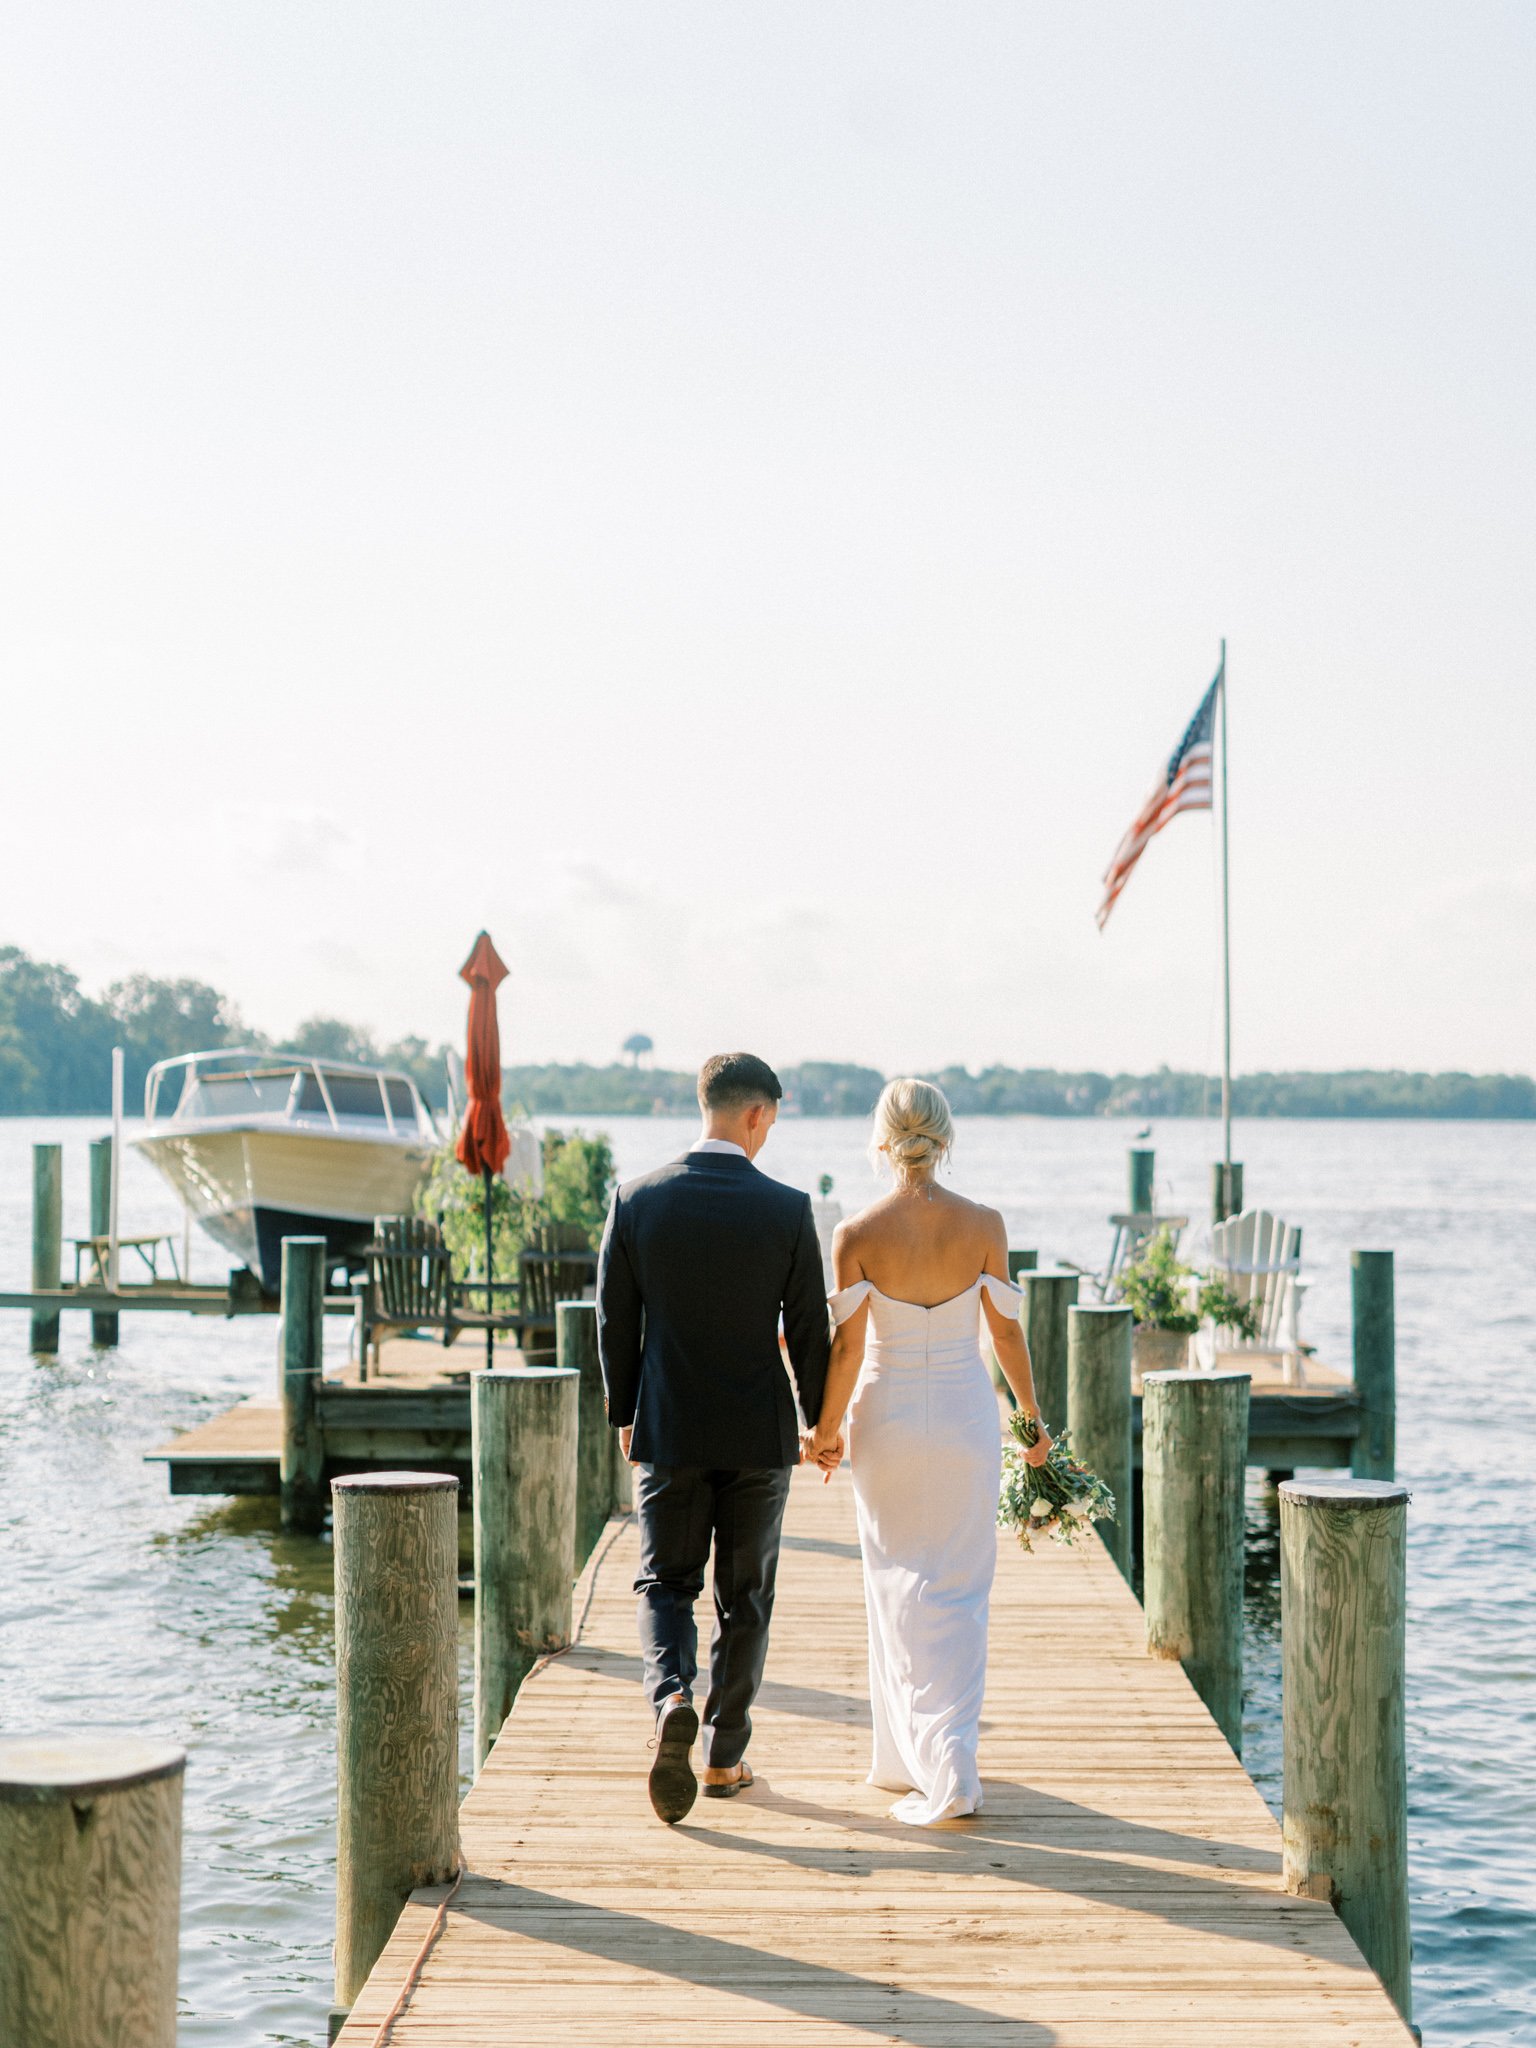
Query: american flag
[(1185, 785)]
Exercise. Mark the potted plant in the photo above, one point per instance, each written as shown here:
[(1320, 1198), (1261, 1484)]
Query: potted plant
[(1155, 1288)]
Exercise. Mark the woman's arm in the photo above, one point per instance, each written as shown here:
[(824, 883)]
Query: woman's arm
[(825, 1447), (1009, 1342)]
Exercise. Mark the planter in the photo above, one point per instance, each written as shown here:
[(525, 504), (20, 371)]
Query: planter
[(1154, 1350)]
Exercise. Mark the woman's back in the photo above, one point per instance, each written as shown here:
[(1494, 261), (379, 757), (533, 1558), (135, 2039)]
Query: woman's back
[(920, 1247)]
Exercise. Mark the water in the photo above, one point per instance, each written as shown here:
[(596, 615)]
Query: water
[(123, 1607)]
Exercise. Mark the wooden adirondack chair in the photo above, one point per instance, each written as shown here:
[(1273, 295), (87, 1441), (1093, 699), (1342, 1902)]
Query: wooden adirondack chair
[(1261, 1256), (409, 1285), (1133, 1233), (557, 1264)]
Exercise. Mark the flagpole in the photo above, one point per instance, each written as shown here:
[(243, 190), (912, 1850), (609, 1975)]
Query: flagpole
[(1226, 959)]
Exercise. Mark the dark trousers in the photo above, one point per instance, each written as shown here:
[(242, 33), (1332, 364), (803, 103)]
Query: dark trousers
[(683, 1510)]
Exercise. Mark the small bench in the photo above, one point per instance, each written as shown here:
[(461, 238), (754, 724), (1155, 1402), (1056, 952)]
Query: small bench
[(96, 1252), (558, 1264)]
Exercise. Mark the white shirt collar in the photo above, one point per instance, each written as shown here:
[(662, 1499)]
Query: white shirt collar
[(719, 1145)]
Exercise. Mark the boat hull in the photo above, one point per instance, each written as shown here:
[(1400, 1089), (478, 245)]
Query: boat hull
[(250, 1188)]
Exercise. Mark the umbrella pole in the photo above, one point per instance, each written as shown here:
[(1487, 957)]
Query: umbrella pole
[(490, 1298)]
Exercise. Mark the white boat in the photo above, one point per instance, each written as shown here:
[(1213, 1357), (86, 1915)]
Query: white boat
[(263, 1146)]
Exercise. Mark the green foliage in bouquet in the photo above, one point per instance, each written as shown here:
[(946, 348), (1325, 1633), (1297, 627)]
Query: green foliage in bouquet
[(578, 1186), (1058, 1499), (1155, 1288)]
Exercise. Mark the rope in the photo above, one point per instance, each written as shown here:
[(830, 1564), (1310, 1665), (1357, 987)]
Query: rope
[(386, 2026)]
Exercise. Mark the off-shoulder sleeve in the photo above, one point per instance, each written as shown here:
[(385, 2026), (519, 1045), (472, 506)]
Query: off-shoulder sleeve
[(848, 1299), (1005, 1295)]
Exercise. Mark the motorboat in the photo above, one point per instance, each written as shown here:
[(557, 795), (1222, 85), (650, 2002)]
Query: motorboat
[(262, 1146)]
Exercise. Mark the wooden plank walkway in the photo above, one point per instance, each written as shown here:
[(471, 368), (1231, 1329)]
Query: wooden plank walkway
[(1122, 1886)]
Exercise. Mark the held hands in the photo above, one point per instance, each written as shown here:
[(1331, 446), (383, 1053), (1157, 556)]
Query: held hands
[(823, 1448)]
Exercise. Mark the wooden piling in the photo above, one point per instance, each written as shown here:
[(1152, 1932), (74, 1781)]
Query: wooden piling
[(1047, 1298), (397, 1704), (90, 1891), (1372, 1290), (1226, 1190), (525, 1432), (301, 1472), (1142, 1165), (1021, 1262), (47, 1239), (1343, 1551), (596, 1444), (1099, 1402), (104, 1322), (1194, 1447)]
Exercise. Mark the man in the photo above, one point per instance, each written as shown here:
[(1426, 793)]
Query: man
[(698, 1260)]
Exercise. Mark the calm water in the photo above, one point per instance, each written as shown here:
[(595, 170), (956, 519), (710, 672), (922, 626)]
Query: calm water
[(122, 1607)]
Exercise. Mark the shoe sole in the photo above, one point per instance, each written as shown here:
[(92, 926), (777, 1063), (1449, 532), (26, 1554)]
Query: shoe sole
[(673, 1787)]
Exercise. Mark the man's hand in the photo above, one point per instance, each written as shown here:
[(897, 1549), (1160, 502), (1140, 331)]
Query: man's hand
[(824, 1448), (626, 1438)]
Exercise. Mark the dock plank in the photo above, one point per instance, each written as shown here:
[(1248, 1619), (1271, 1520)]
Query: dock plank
[(1122, 1886)]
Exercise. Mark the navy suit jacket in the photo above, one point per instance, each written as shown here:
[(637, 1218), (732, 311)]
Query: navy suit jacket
[(697, 1261)]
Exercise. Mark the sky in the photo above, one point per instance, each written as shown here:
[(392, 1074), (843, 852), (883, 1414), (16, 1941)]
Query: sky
[(741, 502)]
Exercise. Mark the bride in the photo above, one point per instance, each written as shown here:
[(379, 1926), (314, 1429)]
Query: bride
[(915, 1272)]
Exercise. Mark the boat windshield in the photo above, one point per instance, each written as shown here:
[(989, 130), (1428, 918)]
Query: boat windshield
[(261, 1092), (355, 1094)]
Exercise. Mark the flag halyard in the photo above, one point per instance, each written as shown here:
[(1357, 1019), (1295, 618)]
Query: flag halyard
[(1185, 785)]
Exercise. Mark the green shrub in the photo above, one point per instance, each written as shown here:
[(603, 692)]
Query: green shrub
[(578, 1186)]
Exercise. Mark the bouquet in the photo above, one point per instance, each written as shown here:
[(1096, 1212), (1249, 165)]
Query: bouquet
[(1057, 1499)]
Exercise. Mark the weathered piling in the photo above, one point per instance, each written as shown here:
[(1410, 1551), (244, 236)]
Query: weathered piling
[(301, 1471), (47, 1238), (1099, 1402), (1047, 1298), (1372, 1297), (1194, 1447), (90, 1891), (597, 1445), (1142, 1165), (525, 1431), (1343, 1552), (397, 1704), (1021, 1262), (1226, 1190), (104, 1322)]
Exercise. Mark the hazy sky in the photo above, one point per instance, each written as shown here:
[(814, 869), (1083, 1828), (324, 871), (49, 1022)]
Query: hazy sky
[(740, 500)]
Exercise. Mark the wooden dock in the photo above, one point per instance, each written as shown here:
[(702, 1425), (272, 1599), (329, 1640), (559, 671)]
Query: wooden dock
[(1121, 1890), (414, 1410)]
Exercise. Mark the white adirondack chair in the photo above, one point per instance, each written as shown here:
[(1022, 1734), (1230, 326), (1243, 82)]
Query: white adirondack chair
[(1261, 1257)]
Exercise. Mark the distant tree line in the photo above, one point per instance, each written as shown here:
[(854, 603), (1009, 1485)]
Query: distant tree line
[(56, 1046)]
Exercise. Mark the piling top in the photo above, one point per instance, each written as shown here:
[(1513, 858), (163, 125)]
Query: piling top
[(526, 1372), (1322, 1490), (1097, 1308), (41, 1767), (1194, 1379), (395, 1482)]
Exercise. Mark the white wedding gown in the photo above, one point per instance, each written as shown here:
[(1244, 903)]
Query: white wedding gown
[(925, 1447)]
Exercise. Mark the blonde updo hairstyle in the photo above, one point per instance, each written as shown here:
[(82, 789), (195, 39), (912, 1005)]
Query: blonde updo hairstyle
[(913, 1128)]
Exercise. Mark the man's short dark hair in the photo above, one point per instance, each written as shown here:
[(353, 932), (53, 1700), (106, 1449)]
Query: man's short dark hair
[(735, 1080)]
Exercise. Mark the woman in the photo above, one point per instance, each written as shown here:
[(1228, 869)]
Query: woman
[(914, 1273)]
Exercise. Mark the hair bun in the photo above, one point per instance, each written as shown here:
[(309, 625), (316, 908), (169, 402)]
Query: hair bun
[(913, 1126)]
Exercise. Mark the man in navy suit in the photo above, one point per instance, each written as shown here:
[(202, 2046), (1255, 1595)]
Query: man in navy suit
[(699, 1261)]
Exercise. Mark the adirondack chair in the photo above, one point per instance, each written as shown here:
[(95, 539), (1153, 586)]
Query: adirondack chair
[(409, 1285), (557, 1264), (1261, 1256)]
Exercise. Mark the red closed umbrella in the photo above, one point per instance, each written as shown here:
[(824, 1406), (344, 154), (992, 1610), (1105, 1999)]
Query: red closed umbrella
[(483, 1142)]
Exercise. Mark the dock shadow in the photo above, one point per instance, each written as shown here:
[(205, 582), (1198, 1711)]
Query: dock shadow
[(1026, 1854), (809, 1991)]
